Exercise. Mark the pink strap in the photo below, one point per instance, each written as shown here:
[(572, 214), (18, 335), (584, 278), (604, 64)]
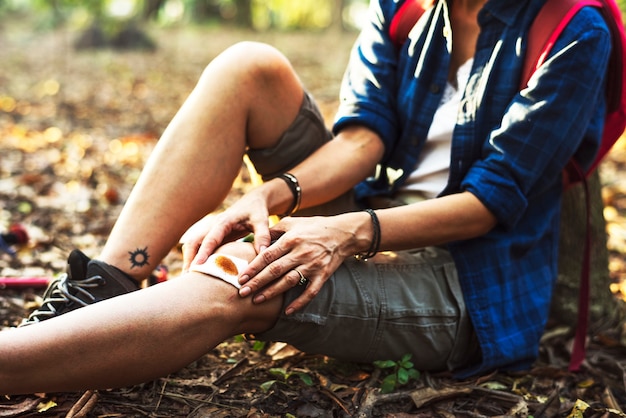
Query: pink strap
[(405, 18), (546, 28), (580, 338)]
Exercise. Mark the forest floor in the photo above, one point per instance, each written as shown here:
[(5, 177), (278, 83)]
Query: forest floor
[(75, 129)]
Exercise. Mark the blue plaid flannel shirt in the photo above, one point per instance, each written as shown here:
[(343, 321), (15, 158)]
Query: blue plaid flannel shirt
[(508, 148)]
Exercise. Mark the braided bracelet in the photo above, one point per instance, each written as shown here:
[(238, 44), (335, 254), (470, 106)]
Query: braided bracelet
[(375, 245), (296, 190)]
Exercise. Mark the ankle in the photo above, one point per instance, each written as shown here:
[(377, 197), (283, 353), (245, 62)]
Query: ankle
[(136, 276)]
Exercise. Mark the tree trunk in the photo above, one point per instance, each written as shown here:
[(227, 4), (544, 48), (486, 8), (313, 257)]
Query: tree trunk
[(336, 24), (243, 18), (604, 309), (204, 10), (151, 9)]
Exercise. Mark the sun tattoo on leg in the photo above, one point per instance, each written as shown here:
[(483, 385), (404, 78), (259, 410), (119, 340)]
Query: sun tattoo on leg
[(138, 258)]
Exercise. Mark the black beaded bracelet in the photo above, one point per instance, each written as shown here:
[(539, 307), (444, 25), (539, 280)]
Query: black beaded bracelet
[(296, 190), (375, 245)]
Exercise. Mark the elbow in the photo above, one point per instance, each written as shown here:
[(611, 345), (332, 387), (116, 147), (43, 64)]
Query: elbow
[(486, 223), (365, 147)]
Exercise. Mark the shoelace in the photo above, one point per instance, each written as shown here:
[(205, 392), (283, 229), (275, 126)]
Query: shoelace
[(59, 295)]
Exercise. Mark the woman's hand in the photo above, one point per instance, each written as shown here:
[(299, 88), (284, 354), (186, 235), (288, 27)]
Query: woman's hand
[(314, 247), (248, 214)]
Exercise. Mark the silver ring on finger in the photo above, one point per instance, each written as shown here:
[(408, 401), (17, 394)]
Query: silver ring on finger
[(303, 280)]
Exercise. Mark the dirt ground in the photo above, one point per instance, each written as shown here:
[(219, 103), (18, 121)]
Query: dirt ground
[(75, 130)]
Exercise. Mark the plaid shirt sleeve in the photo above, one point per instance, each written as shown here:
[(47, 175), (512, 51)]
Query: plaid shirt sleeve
[(543, 125)]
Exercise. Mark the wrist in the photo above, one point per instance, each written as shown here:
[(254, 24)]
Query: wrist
[(296, 192), (367, 235), (282, 195), (374, 246)]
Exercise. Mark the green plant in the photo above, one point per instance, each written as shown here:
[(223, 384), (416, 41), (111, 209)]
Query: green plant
[(259, 345), (403, 373), (284, 377), (256, 345)]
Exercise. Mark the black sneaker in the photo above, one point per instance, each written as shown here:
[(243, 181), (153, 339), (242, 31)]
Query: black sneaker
[(85, 282)]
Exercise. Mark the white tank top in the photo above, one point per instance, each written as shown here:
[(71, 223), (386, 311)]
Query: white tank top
[(431, 171)]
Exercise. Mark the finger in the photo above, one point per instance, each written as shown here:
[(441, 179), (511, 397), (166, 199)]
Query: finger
[(265, 268), (210, 242), (290, 280), (190, 250), (262, 238), (312, 289)]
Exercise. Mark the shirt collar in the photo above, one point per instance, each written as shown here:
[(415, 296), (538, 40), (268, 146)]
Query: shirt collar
[(504, 10)]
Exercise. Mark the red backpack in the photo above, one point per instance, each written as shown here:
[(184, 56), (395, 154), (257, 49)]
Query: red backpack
[(546, 28)]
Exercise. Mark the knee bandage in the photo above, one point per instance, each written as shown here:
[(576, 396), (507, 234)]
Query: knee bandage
[(225, 267)]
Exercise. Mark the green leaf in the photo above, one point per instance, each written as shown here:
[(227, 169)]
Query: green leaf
[(494, 385), (24, 208), (385, 364), (414, 374), (305, 378), (406, 364), (279, 372), (258, 345), (266, 386), (403, 376), (389, 384)]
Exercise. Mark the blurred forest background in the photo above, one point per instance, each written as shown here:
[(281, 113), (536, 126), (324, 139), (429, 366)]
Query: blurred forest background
[(253, 14), (86, 88)]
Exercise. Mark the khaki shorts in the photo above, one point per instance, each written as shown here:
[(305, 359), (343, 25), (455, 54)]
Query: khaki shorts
[(393, 304)]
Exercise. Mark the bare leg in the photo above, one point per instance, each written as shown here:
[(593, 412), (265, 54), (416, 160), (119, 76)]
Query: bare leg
[(131, 338), (248, 96)]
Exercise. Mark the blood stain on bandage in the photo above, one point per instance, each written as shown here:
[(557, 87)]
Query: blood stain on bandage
[(227, 265)]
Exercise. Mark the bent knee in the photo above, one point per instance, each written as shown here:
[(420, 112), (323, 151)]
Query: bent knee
[(248, 317), (243, 250), (257, 55), (255, 60)]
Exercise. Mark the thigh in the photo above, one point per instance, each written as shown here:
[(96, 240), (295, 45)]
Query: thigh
[(394, 304), (306, 134)]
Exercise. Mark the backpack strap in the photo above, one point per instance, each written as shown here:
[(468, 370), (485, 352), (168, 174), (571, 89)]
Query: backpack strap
[(615, 121), (543, 34), (580, 337), (405, 18), (546, 28)]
